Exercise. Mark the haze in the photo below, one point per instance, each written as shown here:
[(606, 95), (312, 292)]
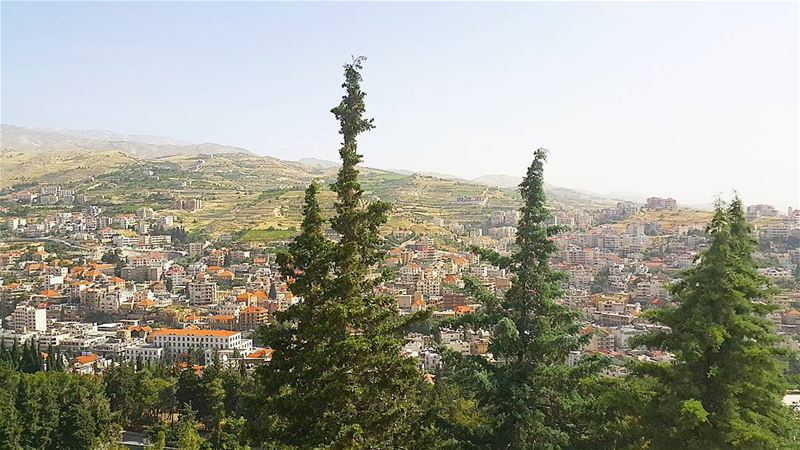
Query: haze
[(688, 100)]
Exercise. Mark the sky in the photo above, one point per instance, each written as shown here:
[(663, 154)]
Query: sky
[(687, 100)]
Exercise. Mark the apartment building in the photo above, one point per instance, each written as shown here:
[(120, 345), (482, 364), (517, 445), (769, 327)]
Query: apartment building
[(26, 318), (202, 292)]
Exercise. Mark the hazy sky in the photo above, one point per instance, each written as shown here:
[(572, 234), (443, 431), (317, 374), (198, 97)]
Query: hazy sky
[(674, 99)]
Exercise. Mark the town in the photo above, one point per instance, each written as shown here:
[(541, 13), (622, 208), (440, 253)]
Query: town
[(399, 225), (106, 288)]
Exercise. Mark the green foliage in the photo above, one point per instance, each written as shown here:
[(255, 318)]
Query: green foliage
[(112, 257), (138, 397), (725, 389), (53, 410), (530, 397), (337, 378)]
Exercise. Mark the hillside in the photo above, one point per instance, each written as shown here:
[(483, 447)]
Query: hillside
[(258, 196), (58, 167)]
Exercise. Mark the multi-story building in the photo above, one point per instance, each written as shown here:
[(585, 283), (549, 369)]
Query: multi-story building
[(755, 211), (144, 351), (196, 249), (26, 318), (179, 341), (253, 317), (202, 292)]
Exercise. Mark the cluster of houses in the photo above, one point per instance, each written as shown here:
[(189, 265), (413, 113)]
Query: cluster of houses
[(123, 290)]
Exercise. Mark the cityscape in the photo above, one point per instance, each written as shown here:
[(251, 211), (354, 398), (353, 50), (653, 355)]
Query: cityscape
[(159, 293)]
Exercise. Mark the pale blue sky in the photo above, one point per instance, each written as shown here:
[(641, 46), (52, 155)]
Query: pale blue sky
[(675, 99)]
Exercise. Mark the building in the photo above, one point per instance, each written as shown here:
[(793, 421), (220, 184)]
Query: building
[(253, 317), (178, 341), (661, 203), (142, 273), (188, 205), (144, 352), (202, 292), (26, 318), (196, 249), (755, 211)]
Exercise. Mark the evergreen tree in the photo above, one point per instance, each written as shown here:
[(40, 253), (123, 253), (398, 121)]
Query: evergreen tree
[(725, 388), (337, 378), (531, 397), (186, 436), (31, 361)]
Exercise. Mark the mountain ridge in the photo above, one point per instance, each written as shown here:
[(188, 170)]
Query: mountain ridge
[(23, 139)]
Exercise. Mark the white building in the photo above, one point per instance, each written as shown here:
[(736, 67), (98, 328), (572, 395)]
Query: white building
[(27, 318), (176, 341), (144, 351)]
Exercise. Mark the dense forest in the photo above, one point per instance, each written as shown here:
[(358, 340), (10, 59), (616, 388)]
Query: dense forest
[(337, 378)]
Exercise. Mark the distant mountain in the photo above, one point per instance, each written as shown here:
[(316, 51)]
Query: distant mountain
[(39, 155), (21, 139), (105, 135), (501, 181), (318, 163), (443, 176)]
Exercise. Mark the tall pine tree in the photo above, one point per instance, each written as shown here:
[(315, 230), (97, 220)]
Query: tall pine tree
[(337, 377), (725, 388), (530, 396)]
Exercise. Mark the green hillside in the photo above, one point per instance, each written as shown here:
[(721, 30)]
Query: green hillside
[(258, 197)]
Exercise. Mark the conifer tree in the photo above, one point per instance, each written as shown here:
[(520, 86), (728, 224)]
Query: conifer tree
[(725, 388), (337, 378), (530, 396)]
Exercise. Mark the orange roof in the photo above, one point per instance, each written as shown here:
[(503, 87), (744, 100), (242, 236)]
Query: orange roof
[(213, 269), (261, 353), (463, 309), (140, 328), (146, 302), (12, 285), (244, 296), (117, 280), (193, 332), (102, 266), (261, 295), (223, 318), (254, 309), (49, 293), (86, 359)]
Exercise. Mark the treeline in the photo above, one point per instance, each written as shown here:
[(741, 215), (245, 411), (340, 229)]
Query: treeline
[(338, 380), (45, 408), (53, 410)]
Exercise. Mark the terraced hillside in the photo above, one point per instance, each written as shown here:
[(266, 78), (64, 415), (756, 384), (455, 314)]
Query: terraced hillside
[(258, 197)]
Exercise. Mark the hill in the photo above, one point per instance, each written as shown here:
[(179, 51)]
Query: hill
[(258, 196)]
